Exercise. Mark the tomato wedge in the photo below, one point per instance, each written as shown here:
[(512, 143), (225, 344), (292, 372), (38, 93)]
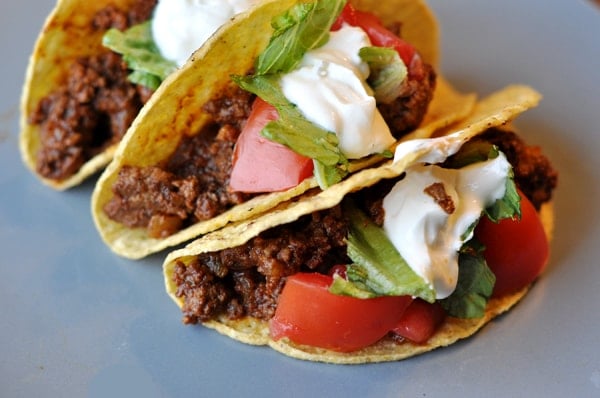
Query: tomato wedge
[(307, 313), (420, 321), (516, 250), (261, 165)]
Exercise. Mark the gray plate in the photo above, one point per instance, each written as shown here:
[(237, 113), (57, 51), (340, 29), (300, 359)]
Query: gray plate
[(79, 321)]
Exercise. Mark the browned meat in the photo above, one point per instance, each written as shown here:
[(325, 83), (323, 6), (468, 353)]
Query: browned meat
[(408, 110), (534, 174), (95, 105), (192, 187), (247, 280)]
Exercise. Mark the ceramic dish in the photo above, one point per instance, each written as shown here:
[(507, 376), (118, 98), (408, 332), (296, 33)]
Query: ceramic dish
[(79, 321)]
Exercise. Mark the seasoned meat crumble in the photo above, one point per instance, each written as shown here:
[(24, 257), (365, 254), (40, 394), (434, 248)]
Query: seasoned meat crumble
[(94, 106)]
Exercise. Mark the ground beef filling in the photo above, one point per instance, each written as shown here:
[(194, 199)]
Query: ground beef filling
[(408, 110), (94, 106), (193, 184), (247, 280)]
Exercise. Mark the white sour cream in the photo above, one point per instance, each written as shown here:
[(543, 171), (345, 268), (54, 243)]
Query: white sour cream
[(329, 87), (180, 27), (426, 236)]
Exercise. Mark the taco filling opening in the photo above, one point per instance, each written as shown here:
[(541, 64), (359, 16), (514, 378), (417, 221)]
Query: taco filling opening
[(183, 202), (193, 183), (94, 106), (248, 280)]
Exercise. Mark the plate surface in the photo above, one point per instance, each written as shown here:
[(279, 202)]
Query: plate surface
[(79, 321)]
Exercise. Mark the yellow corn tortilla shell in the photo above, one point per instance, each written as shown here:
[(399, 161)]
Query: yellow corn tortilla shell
[(67, 34), (494, 111), (176, 110)]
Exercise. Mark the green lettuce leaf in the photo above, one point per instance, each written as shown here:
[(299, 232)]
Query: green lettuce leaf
[(293, 130), (378, 268), (302, 28), (141, 54), (475, 284), (388, 72), (507, 207)]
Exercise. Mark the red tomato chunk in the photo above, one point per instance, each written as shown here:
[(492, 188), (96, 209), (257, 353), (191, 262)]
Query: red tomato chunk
[(515, 250), (261, 165), (420, 321), (307, 313)]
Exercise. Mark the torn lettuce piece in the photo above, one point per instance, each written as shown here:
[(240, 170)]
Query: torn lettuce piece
[(378, 269), (475, 284), (388, 72), (141, 54), (302, 28)]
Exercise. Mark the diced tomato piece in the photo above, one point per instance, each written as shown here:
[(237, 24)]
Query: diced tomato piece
[(261, 165), (420, 321), (307, 313), (515, 250)]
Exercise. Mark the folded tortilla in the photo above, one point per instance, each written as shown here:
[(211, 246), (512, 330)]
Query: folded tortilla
[(496, 110), (67, 34), (176, 111)]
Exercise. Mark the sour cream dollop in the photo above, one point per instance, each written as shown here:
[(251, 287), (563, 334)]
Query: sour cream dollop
[(426, 235), (180, 27), (330, 89)]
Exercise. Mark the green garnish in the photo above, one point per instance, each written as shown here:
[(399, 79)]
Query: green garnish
[(388, 72), (302, 28), (378, 268), (474, 287), (149, 67)]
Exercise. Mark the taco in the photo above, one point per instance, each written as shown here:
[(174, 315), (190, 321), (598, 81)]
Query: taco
[(183, 169), (383, 265), (93, 67)]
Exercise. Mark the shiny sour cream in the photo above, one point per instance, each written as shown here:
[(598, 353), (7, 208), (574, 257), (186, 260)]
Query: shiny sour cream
[(180, 27), (427, 236), (329, 87)]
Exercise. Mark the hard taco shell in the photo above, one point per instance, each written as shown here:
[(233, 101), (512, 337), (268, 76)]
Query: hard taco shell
[(67, 34), (176, 110), (493, 111)]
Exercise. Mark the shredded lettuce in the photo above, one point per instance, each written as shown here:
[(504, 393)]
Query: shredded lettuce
[(388, 72), (302, 28), (475, 284), (141, 54), (378, 268)]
